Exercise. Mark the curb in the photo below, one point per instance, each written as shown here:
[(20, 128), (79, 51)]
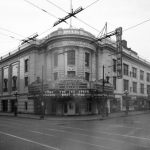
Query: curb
[(84, 118)]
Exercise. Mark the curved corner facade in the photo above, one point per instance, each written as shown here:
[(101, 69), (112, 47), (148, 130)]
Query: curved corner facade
[(60, 73)]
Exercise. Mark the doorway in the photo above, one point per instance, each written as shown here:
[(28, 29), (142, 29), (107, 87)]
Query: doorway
[(4, 105)]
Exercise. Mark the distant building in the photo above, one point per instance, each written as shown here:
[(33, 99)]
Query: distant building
[(63, 73)]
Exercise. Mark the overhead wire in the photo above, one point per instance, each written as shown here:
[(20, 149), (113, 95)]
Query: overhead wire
[(10, 36), (4, 29), (131, 27), (75, 16), (91, 4), (41, 9)]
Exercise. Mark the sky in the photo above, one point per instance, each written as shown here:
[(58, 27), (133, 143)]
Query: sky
[(20, 19)]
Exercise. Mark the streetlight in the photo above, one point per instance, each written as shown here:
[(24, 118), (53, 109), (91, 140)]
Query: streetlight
[(127, 101), (16, 104)]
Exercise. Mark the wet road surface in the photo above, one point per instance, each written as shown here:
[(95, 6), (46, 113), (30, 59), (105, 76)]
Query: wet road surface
[(126, 133)]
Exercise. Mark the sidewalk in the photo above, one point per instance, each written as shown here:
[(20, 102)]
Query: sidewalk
[(73, 118)]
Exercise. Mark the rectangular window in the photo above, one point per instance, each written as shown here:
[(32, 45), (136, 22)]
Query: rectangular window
[(148, 77), (26, 65), (55, 75), (114, 83), (87, 59), (134, 87), (134, 72), (126, 85), (71, 73), (26, 81), (87, 76), (148, 89), (55, 59), (114, 65), (142, 88), (141, 75), (71, 57), (125, 69)]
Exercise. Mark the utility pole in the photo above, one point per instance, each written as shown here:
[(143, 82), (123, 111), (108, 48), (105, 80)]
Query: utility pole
[(103, 92), (42, 100)]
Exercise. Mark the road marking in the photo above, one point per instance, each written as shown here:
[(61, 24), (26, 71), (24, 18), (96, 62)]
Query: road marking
[(27, 140), (73, 140), (103, 132)]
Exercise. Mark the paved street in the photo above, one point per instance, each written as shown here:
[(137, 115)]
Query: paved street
[(121, 133)]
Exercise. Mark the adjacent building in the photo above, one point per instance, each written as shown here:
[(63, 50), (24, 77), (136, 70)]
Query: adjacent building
[(67, 73)]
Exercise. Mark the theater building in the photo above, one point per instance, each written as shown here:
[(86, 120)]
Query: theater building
[(64, 74)]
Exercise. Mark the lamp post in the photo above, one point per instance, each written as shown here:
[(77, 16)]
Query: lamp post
[(16, 104), (104, 106), (127, 101)]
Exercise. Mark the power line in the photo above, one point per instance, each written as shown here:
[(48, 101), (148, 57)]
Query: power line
[(136, 25), (87, 24), (41, 9), (4, 29), (75, 16), (12, 37), (57, 6), (91, 4)]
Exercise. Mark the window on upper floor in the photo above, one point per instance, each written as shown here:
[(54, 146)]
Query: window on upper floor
[(55, 75), (114, 83), (87, 76), (134, 72), (134, 87), (26, 65), (114, 65), (55, 59), (141, 75), (71, 57), (125, 69), (126, 85), (26, 81), (71, 73), (148, 77), (87, 59), (148, 89), (142, 88), (14, 83), (5, 87)]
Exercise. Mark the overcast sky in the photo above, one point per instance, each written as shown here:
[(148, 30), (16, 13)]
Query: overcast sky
[(22, 18)]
